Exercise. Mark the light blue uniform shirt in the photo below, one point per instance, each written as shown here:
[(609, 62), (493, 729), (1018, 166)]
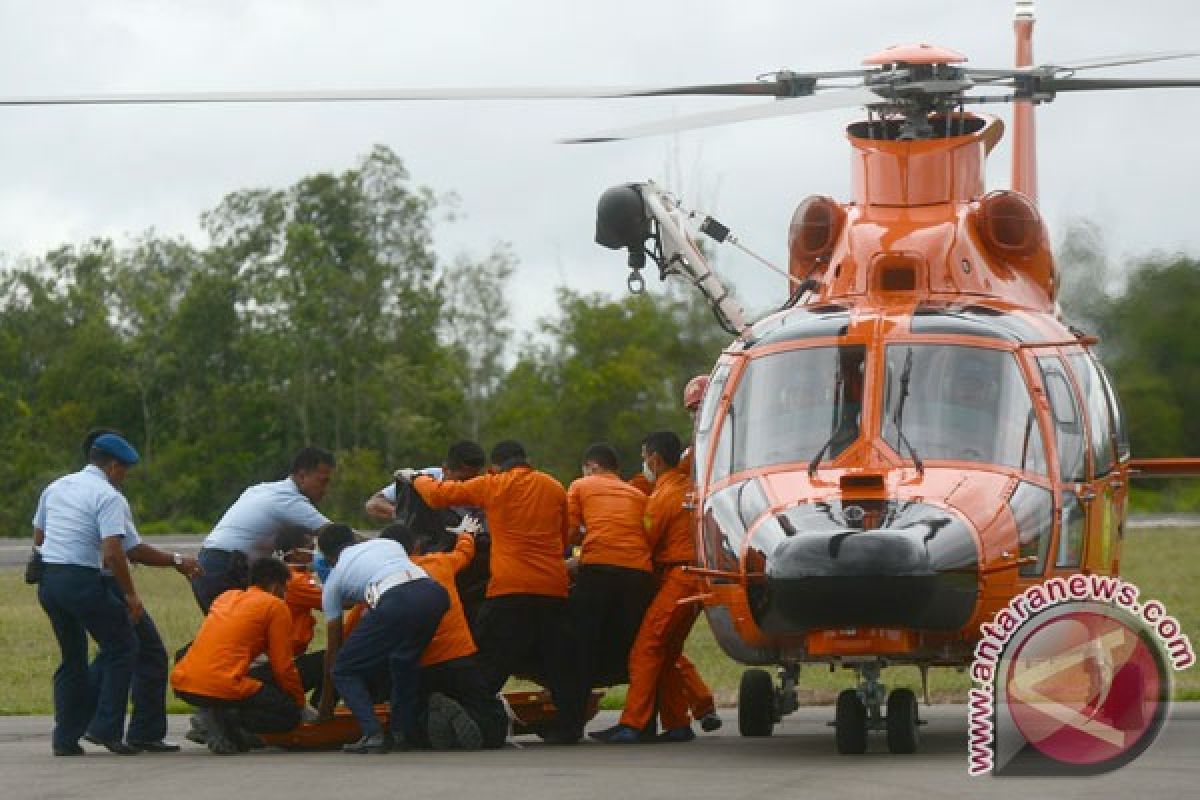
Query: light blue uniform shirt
[(130, 540), (262, 512), (358, 567), (76, 512)]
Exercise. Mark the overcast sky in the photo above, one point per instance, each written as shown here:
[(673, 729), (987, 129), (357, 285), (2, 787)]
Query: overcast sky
[(1125, 159)]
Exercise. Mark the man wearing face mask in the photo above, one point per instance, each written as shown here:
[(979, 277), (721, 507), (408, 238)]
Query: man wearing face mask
[(654, 671)]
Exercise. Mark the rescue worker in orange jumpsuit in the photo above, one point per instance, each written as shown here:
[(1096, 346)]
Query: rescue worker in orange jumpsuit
[(614, 582), (523, 626), (654, 671), (457, 711), (214, 675)]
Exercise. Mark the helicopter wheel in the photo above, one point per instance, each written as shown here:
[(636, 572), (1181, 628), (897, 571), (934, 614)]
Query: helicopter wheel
[(902, 721), (850, 723), (756, 703)]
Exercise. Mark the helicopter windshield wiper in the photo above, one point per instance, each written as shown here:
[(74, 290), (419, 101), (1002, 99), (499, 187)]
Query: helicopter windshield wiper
[(839, 401), (898, 415)]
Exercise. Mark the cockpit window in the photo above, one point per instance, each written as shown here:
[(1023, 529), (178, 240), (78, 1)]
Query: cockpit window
[(792, 405), (960, 403)]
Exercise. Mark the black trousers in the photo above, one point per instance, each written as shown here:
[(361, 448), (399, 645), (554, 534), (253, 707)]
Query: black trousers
[(607, 605), (269, 710), (531, 635), (460, 680)]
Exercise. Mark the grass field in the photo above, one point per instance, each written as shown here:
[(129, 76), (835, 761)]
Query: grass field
[(1164, 564)]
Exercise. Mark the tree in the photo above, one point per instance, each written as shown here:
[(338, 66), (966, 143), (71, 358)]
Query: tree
[(610, 370), (476, 326)]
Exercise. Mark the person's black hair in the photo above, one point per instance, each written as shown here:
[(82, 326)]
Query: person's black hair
[(465, 453), (666, 444), (269, 572), (309, 458), (92, 436), (507, 454), (333, 538), (603, 455), (101, 459), (291, 538), (402, 533)]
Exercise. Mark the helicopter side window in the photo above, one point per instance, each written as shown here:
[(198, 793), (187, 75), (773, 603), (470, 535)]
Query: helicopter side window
[(1032, 508), (1099, 420), (955, 402), (1070, 538), (1114, 404), (790, 406), (704, 420), (1068, 428)]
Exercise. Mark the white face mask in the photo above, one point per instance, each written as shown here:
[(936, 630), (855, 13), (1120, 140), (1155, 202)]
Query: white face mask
[(647, 473)]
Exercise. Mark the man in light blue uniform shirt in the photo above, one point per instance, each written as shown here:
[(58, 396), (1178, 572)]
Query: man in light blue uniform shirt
[(80, 523), (406, 607), (251, 525)]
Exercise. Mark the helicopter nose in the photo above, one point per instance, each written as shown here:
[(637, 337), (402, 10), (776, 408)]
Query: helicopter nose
[(917, 569)]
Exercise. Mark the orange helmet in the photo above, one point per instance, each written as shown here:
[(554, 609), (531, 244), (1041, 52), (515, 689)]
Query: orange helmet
[(693, 393)]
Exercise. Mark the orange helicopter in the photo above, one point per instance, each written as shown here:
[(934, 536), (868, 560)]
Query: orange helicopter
[(916, 436)]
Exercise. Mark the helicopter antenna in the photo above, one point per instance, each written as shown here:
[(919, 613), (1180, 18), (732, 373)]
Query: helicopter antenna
[(1024, 159)]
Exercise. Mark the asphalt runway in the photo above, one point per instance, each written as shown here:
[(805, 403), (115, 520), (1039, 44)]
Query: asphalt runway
[(798, 762)]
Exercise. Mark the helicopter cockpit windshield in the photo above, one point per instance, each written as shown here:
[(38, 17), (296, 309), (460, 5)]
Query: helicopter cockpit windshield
[(793, 405), (963, 403)]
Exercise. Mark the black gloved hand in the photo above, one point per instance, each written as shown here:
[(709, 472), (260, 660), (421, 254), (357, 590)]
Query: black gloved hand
[(34, 568)]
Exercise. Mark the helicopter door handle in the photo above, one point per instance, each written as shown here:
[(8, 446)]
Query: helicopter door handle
[(1087, 495)]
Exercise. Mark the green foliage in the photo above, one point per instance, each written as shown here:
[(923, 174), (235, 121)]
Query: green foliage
[(312, 318), (1146, 343), (605, 370)]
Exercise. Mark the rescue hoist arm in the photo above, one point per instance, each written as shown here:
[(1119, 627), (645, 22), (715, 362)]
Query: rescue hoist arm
[(629, 214)]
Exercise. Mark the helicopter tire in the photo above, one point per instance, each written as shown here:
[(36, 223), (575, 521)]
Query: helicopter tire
[(850, 723), (756, 703), (902, 721)]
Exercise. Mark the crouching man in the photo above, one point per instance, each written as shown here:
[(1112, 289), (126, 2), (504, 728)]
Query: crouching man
[(406, 607), (214, 675), (458, 710)]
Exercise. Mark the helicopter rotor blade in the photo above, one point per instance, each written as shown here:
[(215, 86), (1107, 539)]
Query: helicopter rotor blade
[(1101, 84), (1128, 58), (779, 84), (846, 98), (336, 95), (984, 75)]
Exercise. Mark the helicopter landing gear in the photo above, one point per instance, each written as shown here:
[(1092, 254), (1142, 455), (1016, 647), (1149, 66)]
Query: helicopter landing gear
[(761, 705), (861, 710), (903, 731)]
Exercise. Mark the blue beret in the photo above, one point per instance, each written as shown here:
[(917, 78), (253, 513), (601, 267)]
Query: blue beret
[(117, 447)]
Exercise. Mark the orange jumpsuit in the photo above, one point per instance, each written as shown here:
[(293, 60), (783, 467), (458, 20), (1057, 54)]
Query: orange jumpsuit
[(527, 518), (699, 697), (241, 624), (303, 597), (654, 668), (453, 636)]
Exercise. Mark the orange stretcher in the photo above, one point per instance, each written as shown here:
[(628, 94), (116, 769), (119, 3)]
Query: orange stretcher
[(534, 713)]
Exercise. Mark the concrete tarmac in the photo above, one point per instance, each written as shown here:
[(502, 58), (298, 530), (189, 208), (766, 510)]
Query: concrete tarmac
[(799, 761)]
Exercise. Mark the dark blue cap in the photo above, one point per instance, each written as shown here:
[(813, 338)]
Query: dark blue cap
[(117, 447)]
